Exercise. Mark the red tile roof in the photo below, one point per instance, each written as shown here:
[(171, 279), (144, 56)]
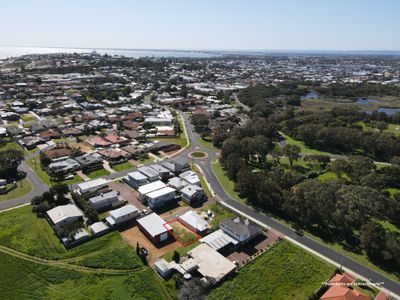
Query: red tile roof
[(337, 292)]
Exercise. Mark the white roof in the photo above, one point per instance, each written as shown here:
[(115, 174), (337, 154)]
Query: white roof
[(150, 187), (62, 212), (194, 220), (92, 183), (137, 175), (123, 211), (105, 196), (218, 239), (191, 189), (153, 224), (160, 192), (211, 263), (98, 227), (176, 182), (190, 177)]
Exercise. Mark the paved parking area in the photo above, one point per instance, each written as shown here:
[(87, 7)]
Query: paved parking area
[(257, 245), (128, 193)]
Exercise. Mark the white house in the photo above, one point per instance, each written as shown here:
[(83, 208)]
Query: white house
[(176, 183), (192, 193), (122, 215), (242, 231), (136, 179), (92, 186), (159, 198), (150, 187), (150, 173), (194, 221), (190, 177), (63, 215), (106, 200)]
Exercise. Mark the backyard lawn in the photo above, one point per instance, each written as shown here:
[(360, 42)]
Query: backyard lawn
[(28, 117), (283, 272), (97, 173), (24, 187), (10, 146), (122, 167)]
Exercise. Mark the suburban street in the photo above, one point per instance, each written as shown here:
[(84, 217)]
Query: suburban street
[(240, 208)]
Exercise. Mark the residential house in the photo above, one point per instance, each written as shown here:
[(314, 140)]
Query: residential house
[(97, 142), (49, 134), (106, 200), (338, 292), (161, 197), (135, 179), (90, 162), (150, 187), (150, 173), (64, 215), (192, 194), (163, 172), (115, 139), (191, 178), (242, 231), (195, 222), (122, 215), (64, 166), (176, 183), (114, 156), (93, 187), (177, 165), (99, 228)]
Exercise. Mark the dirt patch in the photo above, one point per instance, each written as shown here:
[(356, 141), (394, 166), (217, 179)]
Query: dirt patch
[(133, 236), (81, 146), (128, 193)]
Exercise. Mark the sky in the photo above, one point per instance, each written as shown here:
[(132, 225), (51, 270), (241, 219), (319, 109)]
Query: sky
[(202, 24)]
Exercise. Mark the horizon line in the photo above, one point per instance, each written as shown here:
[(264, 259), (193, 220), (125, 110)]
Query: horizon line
[(207, 49)]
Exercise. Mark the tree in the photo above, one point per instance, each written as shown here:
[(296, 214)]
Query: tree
[(372, 236), (381, 125), (292, 152), (340, 167), (176, 257), (9, 162), (191, 290)]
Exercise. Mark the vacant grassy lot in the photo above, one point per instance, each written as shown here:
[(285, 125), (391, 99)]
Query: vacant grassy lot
[(21, 279), (283, 272), (28, 117), (97, 173), (220, 213), (181, 141), (122, 167), (227, 184), (182, 233), (24, 187)]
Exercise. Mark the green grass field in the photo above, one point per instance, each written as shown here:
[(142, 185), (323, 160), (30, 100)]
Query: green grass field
[(122, 166), (202, 181), (181, 141), (220, 213), (11, 146), (207, 144), (283, 272), (97, 173), (22, 279), (24, 187), (21, 230), (28, 117), (34, 164), (227, 184), (303, 148)]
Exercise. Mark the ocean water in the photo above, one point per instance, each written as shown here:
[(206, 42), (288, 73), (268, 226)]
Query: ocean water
[(6, 52)]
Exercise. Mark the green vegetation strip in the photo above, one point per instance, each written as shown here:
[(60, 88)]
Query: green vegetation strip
[(24, 187), (227, 184), (123, 166), (283, 272)]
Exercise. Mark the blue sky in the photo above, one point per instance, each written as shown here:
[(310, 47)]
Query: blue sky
[(203, 24)]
